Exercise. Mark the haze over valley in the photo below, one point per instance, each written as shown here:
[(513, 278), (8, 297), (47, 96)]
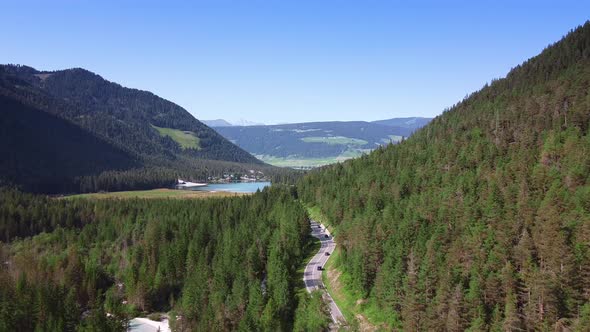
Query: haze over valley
[(313, 144)]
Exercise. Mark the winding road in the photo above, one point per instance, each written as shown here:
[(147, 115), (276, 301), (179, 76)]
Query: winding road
[(313, 277)]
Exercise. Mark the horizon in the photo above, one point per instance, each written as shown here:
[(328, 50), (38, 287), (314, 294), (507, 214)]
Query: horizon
[(277, 63)]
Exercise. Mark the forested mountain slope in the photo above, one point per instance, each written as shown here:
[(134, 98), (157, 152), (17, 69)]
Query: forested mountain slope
[(37, 149), (481, 219), (132, 118), (72, 131)]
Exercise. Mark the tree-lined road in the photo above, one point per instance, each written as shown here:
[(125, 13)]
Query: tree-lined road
[(313, 277)]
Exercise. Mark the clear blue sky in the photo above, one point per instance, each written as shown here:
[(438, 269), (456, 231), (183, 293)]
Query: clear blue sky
[(289, 61)]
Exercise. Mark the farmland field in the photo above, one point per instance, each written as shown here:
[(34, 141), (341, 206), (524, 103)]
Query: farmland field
[(334, 140), (297, 162)]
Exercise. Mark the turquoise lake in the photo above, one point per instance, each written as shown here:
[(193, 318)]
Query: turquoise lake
[(236, 187)]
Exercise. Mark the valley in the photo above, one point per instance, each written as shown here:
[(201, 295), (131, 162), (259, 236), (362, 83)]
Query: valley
[(310, 145), (122, 211)]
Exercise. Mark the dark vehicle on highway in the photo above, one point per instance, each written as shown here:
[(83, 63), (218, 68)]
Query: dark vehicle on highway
[(327, 236), (327, 253), (319, 268)]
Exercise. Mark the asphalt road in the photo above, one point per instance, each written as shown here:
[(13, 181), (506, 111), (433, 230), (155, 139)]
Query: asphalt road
[(313, 277)]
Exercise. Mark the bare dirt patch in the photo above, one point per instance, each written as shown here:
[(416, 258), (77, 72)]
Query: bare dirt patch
[(364, 324), (336, 288), (334, 276)]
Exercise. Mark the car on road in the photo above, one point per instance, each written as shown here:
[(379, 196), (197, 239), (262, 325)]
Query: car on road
[(319, 268), (327, 253), (326, 236)]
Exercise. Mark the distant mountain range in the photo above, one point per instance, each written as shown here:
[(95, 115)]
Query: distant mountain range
[(318, 143), (217, 123), (411, 123), (224, 123), (58, 127)]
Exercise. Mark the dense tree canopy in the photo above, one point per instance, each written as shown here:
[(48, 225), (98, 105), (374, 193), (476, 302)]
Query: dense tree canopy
[(217, 264), (480, 220)]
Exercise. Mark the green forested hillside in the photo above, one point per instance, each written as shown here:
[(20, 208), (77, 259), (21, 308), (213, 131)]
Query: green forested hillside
[(218, 264), (37, 149), (481, 220), (72, 131), (125, 116)]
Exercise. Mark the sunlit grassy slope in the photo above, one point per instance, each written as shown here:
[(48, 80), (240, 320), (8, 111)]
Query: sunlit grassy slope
[(186, 139)]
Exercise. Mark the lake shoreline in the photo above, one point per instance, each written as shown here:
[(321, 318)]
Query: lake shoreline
[(214, 190)]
